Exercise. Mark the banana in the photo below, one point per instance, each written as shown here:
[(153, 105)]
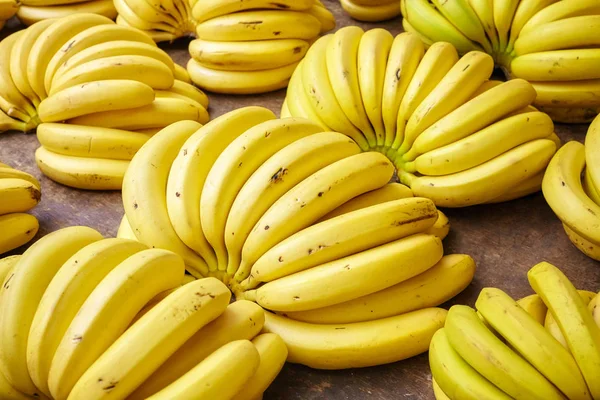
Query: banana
[(168, 8), (181, 74), (131, 67), (19, 57), (106, 313), (148, 13), (482, 146), (280, 173), (561, 10), (127, 14), (318, 89), (125, 231), (51, 41), (10, 393), (144, 193), (342, 68), (241, 320), (525, 188), (455, 88), (504, 11), (573, 102), (8, 90), (526, 10), (88, 38), (461, 15), (221, 375), (260, 25), (371, 13), (437, 390), (80, 172), (361, 344), (234, 166), (9, 124), (311, 199), (588, 248), (356, 275), (592, 155), (594, 307), (498, 363), (373, 51), (210, 9), (191, 167), (450, 276), (424, 17), (64, 296), (190, 91), (411, 29), (486, 181), (29, 279), (405, 55), (565, 195), (535, 307), (17, 229), (325, 17), (112, 49), (473, 116), (587, 182), (248, 56), (18, 195), (8, 8), (95, 97), (343, 236), (285, 111), (30, 15), (6, 266), (161, 112), (298, 103), (575, 321), (552, 326), (434, 65), (455, 376), (558, 65), (532, 341), (240, 82), (138, 352), (88, 141)]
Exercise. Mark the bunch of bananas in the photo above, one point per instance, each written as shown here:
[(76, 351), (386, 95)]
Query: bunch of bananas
[(553, 44), (306, 225), (253, 46), (545, 346), (19, 192), (570, 187), (8, 8), (371, 10), (454, 136), (100, 89), (86, 318)]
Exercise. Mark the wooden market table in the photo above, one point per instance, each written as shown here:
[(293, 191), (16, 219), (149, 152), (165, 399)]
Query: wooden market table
[(504, 239)]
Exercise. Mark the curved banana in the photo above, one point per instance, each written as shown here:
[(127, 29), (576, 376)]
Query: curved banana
[(17, 229), (524, 188), (18, 195), (438, 284), (574, 319), (29, 279), (558, 65), (233, 168), (535, 307), (190, 91), (592, 154), (372, 13), (588, 248), (485, 12), (357, 275), (30, 15), (526, 10), (343, 236), (561, 10), (209, 9), (107, 312), (191, 167), (552, 326), (142, 348), (362, 344), (461, 15), (144, 189), (280, 173), (298, 103), (8, 90), (325, 17), (64, 296), (311, 199), (504, 12)]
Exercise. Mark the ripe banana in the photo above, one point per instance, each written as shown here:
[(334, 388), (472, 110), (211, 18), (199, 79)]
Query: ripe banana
[(298, 103), (562, 10), (438, 284), (357, 275), (592, 155), (8, 8), (106, 313), (9, 124), (17, 229), (311, 199), (535, 307), (12, 97), (216, 8), (558, 65), (241, 320), (18, 195), (20, 299), (138, 352), (30, 15), (477, 345), (248, 56), (561, 97), (81, 172), (343, 236), (190, 91), (233, 168), (526, 10), (361, 344), (575, 321), (532, 341), (65, 295), (144, 193), (588, 248), (325, 17), (191, 167), (88, 141), (504, 12), (552, 326), (280, 173), (93, 98), (370, 13)]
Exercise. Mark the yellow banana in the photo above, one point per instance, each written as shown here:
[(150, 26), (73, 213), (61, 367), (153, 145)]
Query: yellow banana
[(298, 103), (372, 13), (524, 188), (125, 231), (504, 11), (325, 17), (8, 90), (8, 172), (31, 14), (552, 326), (17, 229), (535, 307), (18, 195), (592, 155), (209, 9), (558, 65), (526, 9), (190, 91), (561, 10)]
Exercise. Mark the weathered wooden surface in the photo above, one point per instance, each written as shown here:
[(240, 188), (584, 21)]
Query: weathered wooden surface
[(505, 240)]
